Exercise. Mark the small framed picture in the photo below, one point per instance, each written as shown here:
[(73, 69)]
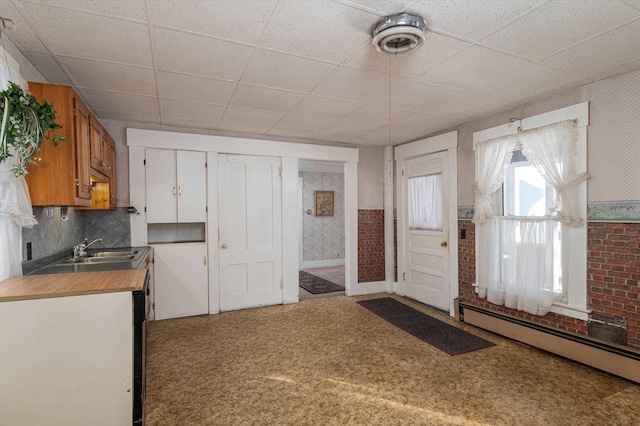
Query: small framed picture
[(324, 203)]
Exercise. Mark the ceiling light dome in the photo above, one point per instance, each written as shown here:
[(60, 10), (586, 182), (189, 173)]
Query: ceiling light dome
[(399, 33)]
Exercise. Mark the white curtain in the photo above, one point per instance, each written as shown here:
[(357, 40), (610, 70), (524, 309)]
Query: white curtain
[(519, 263), (552, 150), (15, 205), (425, 202)]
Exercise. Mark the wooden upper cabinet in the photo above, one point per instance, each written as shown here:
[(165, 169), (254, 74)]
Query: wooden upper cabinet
[(111, 162), (61, 175), (66, 175)]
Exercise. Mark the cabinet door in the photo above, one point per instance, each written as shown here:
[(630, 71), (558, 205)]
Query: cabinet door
[(113, 187), (83, 146), (181, 281), (161, 186), (98, 155), (192, 186)]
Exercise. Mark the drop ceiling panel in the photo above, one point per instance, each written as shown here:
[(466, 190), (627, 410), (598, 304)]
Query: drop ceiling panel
[(374, 114), (92, 36), (240, 20), (256, 97), (48, 66), (21, 33), (318, 29), (274, 69), (382, 7), (193, 111), (473, 68), (191, 126), (526, 82), (109, 76), (559, 25), (189, 87), (133, 9), (317, 106), (465, 105), (436, 49), (472, 19), (418, 97), (354, 85), (298, 126), (123, 102), (127, 116), (205, 56), (243, 121), (606, 51)]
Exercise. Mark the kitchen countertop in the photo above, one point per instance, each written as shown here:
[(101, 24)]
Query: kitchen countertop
[(77, 279), (74, 284)]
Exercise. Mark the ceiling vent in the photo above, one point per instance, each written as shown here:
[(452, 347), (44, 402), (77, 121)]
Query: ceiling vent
[(399, 33)]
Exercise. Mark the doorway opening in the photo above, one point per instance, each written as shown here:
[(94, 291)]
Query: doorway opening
[(321, 229)]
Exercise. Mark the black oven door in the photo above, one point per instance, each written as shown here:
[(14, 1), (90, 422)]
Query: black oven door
[(139, 351)]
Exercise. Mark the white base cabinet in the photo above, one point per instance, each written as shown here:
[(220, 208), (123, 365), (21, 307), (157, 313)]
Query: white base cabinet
[(67, 361), (181, 281)]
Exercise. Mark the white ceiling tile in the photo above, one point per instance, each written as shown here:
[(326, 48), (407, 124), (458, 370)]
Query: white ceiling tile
[(473, 68), (193, 54), (194, 111), (316, 106), (526, 82), (347, 129), (240, 20), (418, 97), (21, 34), (634, 3), (190, 126), (436, 49), (294, 126), (606, 51), (464, 106), (374, 114), (92, 36), (355, 85), (122, 102), (383, 7), (201, 89), (256, 97), (133, 9), (560, 24), (239, 120), (48, 67), (286, 72), (321, 29), (109, 76), (473, 19), (127, 116)]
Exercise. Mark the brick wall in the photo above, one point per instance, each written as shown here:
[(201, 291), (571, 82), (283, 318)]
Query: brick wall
[(613, 270), (370, 246), (613, 265)]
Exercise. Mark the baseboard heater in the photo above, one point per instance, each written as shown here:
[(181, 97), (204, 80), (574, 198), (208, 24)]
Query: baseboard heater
[(610, 357)]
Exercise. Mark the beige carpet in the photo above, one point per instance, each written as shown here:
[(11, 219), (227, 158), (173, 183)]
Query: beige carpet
[(331, 362)]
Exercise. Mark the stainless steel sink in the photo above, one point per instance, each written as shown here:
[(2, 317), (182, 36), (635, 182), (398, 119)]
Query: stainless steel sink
[(131, 253), (110, 256)]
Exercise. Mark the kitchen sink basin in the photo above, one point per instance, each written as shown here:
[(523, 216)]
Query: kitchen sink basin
[(99, 259), (129, 254)]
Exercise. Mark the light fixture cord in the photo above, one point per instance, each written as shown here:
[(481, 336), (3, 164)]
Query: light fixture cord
[(389, 69)]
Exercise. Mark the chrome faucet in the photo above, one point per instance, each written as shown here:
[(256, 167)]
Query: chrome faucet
[(79, 249)]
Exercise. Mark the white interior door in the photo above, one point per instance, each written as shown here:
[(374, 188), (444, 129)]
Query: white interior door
[(426, 230), (250, 230)]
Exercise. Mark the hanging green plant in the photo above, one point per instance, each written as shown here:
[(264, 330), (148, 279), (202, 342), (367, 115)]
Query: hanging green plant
[(25, 125)]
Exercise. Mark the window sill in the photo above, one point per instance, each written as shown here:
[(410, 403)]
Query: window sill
[(571, 311)]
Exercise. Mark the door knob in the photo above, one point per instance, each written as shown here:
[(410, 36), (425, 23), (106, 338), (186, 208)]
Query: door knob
[(223, 246), (444, 244)]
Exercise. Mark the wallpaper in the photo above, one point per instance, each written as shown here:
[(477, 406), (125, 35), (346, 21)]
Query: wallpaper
[(322, 237)]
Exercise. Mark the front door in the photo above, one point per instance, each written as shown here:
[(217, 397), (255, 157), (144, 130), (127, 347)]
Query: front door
[(250, 231), (426, 230)]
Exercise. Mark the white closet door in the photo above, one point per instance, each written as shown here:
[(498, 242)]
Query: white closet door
[(250, 212), (161, 185), (181, 280), (192, 186)]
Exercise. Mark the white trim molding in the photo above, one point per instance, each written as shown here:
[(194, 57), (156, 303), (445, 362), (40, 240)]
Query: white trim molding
[(368, 288), (306, 264)]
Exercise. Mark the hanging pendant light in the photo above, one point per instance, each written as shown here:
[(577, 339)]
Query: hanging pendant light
[(399, 33)]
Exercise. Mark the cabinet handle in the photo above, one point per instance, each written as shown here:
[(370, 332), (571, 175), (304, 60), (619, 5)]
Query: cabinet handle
[(104, 164), (179, 190), (205, 260), (174, 191)]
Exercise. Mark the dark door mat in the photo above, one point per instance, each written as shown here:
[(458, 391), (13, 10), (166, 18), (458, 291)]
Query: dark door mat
[(443, 336), (317, 285)]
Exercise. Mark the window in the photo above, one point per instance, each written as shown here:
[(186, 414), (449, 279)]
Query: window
[(425, 202), (530, 213)]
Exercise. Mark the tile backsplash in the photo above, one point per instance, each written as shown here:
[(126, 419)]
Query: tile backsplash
[(52, 234)]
